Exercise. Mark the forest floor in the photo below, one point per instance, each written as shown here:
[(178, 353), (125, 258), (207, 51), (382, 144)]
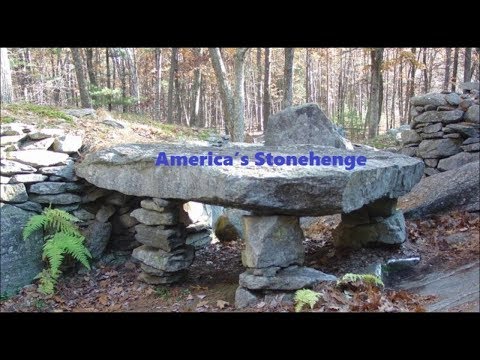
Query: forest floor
[(448, 246)]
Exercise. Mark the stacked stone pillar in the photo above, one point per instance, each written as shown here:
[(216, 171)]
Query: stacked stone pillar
[(274, 257), (164, 255), (376, 223)]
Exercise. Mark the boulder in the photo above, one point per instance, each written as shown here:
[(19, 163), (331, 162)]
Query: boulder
[(472, 114), (445, 117), (20, 260), (38, 158), (38, 145), (434, 149), (97, 235), (434, 99), (466, 129), (455, 189), (304, 124), (272, 241), (410, 137), (453, 99), (14, 193), (457, 160), (288, 190)]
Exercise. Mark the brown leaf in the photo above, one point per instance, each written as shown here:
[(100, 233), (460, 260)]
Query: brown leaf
[(190, 297), (201, 296), (202, 303), (103, 299), (222, 304)]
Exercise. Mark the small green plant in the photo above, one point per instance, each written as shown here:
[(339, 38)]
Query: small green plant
[(365, 278), (7, 120), (162, 292), (62, 237), (305, 297), (40, 110)]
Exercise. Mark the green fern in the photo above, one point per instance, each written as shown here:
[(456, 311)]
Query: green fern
[(366, 278), (62, 237), (305, 297)]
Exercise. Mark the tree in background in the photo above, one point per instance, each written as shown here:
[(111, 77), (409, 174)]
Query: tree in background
[(82, 85), (233, 102), (6, 77), (266, 88), (376, 92), (288, 78)]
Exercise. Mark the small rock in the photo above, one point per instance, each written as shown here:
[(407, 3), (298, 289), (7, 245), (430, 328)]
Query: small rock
[(472, 114), (199, 240), (97, 236), (30, 206), (471, 147), (48, 188), (149, 217), (245, 298), (83, 215), (38, 145), (113, 123), (175, 260), (471, 141), (453, 99), (14, 193), (27, 178), (105, 213), (68, 143), (151, 205), (158, 237), (45, 133), (65, 171), (9, 167), (80, 112)]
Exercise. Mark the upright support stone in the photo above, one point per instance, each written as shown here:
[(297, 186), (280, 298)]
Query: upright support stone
[(376, 223), (164, 255), (274, 255)]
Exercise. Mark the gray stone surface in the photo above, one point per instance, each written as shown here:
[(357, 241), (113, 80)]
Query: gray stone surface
[(38, 145), (30, 206), (224, 230), (68, 143), (291, 278), (28, 178), (80, 112), (409, 151), (149, 204), (245, 298), (6, 180), (67, 207), (83, 215), (435, 149), (297, 190), (410, 137), (9, 167), (8, 140), (175, 260), (20, 260), (113, 123), (272, 241), (472, 114), (199, 240), (471, 147), (470, 85), (431, 162), (65, 171), (446, 117), (390, 230), (117, 199), (429, 99), (453, 99), (430, 171), (149, 217), (105, 212), (46, 187), (15, 129), (97, 235), (127, 221), (304, 124), (60, 199), (158, 237), (45, 133), (466, 129), (458, 160), (38, 158), (471, 141), (14, 193), (437, 135), (432, 128), (454, 189)]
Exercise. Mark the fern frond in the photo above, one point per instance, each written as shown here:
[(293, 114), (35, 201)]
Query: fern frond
[(61, 243), (35, 223), (47, 282), (60, 221), (305, 297), (366, 278)]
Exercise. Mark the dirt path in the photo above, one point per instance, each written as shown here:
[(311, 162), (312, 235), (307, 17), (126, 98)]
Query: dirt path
[(456, 290)]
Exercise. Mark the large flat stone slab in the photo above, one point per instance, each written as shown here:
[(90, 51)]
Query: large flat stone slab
[(290, 190)]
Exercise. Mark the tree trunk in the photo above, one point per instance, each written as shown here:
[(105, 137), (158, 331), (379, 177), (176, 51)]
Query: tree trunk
[(109, 85), (425, 71), (171, 84), (288, 78), (82, 86), (196, 91), (455, 69), (467, 69), (448, 64), (6, 94), (158, 83), (259, 117), (90, 67), (233, 103), (134, 88), (410, 87), (376, 92), (266, 89), (307, 75)]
